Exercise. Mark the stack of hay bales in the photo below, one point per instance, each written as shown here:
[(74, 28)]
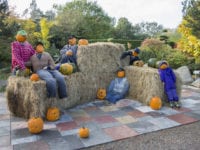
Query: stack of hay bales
[(97, 64), (145, 83)]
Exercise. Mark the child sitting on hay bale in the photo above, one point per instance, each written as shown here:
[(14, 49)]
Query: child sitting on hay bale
[(118, 87), (43, 65), (168, 77)]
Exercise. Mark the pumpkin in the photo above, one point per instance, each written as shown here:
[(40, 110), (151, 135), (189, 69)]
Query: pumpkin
[(35, 125), (138, 63), (83, 42), (152, 62), (155, 103), (84, 132), (34, 77), (101, 93), (53, 114), (69, 53), (39, 48), (72, 41), (20, 38), (66, 69), (121, 74)]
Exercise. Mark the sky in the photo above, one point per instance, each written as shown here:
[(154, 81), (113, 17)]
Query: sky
[(165, 12)]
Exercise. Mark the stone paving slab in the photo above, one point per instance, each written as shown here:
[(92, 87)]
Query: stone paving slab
[(107, 123)]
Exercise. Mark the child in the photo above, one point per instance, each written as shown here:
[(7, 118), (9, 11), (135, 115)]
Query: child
[(168, 77), (43, 65)]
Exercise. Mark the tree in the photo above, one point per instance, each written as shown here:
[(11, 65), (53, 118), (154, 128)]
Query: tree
[(191, 13), (124, 29), (151, 29), (4, 13), (84, 19)]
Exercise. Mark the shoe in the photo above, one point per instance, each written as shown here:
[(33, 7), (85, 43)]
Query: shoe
[(171, 104), (177, 105)]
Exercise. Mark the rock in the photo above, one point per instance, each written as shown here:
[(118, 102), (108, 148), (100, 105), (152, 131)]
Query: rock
[(196, 83), (184, 74)]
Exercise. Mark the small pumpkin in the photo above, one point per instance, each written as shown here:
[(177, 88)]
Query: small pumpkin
[(84, 132), (35, 125), (83, 42), (20, 38), (66, 69), (53, 114), (101, 93), (138, 63), (121, 74), (69, 53), (34, 77), (156, 103)]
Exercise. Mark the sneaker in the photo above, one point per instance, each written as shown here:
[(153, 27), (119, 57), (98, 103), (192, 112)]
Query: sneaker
[(171, 104), (177, 105)]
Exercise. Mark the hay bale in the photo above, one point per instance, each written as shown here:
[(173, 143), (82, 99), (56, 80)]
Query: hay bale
[(27, 99), (99, 57), (145, 83)]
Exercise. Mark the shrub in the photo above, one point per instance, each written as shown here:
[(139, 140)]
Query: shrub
[(176, 59)]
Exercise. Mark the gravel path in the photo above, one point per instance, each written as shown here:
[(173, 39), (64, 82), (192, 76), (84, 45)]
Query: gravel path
[(185, 137)]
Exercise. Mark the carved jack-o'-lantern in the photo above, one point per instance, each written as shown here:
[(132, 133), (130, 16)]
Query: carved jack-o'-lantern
[(121, 74), (53, 114), (101, 93)]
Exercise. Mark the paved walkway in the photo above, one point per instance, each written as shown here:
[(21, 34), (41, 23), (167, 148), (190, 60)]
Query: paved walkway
[(107, 123)]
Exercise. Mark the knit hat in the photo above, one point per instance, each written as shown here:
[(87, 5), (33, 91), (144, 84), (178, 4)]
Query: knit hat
[(22, 32), (162, 62), (137, 50)]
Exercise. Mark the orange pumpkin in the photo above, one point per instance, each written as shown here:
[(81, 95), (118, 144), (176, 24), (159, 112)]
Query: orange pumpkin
[(53, 114), (163, 66), (83, 42), (35, 125), (34, 77), (69, 53), (72, 41), (101, 93), (84, 132), (20, 38), (155, 103), (121, 74), (39, 48)]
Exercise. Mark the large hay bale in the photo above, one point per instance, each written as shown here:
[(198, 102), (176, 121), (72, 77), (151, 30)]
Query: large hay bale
[(99, 57), (97, 63), (145, 83)]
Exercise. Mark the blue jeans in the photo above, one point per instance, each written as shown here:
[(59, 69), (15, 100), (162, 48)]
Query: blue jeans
[(53, 78)]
